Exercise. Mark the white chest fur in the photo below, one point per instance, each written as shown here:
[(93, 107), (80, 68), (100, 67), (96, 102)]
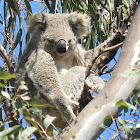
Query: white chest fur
[(63, 66)]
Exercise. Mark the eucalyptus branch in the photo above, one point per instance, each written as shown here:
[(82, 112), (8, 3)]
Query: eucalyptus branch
[(5, 56), (110, 10), (110, 70), (129, 13), (101, 49), (7, 109), (42, 130), (11, 36)]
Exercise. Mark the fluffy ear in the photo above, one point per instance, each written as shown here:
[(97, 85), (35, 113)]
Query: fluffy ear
[(80, 24), (37, 23)]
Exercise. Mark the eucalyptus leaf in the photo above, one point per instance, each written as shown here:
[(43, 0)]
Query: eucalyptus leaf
[(124, 124), (2, 85), (6, 76), (14, 5), (17, 40), (125, 104), (53, 7), (138, 125), (5, 94), (64, 6), (28, 6), (9, 131), (107, 120), (25, 98), (27, 132), (39, 104), (126, 3), (47, 3), (23, 87), (32, 121), (48, 121)]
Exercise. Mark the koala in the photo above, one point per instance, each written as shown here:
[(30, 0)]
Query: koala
[(54, 64)]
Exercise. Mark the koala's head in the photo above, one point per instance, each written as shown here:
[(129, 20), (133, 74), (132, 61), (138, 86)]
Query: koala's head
[(59, 33)]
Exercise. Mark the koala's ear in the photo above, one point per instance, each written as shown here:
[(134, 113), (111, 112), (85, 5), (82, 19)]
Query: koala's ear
[(80, 24), (37, 23)]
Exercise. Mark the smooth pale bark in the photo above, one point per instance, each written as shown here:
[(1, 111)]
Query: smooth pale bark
[(90, 120)]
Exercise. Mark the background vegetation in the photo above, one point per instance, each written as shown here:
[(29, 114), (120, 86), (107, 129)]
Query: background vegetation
[(107, 17)]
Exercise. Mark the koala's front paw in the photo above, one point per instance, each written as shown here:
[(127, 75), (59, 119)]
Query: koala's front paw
[(69, 115), (74, 104)]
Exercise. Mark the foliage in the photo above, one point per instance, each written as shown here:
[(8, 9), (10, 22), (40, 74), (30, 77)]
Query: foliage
[(107, 17), (127, 123)]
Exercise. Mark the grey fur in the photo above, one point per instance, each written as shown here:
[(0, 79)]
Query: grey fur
[(59, 78)]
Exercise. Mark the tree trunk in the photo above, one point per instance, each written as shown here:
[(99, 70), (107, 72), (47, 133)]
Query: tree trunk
[(89, 122)]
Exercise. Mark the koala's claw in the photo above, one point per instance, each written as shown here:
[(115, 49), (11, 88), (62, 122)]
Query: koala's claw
[(74, 104)]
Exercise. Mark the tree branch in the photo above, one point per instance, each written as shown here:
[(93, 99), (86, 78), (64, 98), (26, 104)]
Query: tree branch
[(91, 118), (100, 51), (6, 58)]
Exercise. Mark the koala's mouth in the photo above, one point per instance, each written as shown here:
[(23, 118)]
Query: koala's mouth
[(60, 54)]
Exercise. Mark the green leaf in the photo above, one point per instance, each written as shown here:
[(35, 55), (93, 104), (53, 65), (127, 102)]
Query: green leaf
[(73, 137), (2, 125), (47, 3), (138, 125), (136, 92), (126, 3), (28, 6), (32, 122), (27, 132), (2, 85), (107, 120), (0, 117), (35, 110), (14, 5), (39, 104), (53, 7), (54, 130), (23, 87), (25, 98), (125, 104), (6, 76), (17, 40), (48, 121), (5, 94), (64, 6), (126, 128), (9, 131)]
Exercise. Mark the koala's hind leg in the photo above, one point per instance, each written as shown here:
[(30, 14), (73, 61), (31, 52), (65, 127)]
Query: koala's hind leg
[(73, 82), (42, 71)]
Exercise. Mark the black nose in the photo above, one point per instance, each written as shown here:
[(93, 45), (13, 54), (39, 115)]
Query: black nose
[(61, 46)]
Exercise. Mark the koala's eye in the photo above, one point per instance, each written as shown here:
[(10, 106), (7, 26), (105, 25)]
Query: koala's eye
[(42, 26), (71, 41)]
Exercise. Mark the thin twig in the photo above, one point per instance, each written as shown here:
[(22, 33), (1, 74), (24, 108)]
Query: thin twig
[(99, 52), (5, 56), (129, 13), (42, 129), (110, 10)]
